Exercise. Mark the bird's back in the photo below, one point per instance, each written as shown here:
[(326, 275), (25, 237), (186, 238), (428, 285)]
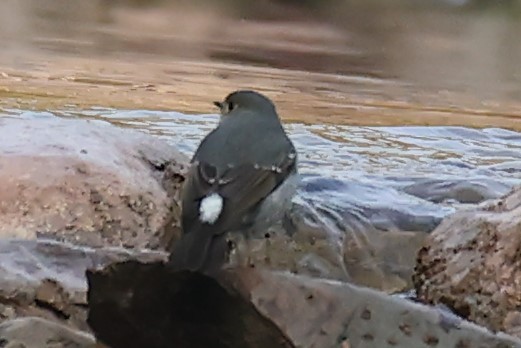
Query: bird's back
[(260, 143)]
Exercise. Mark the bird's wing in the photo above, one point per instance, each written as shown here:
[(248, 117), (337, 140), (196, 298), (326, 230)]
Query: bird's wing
[(242, 189)]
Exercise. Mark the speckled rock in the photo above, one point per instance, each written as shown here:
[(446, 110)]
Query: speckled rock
[(32, 332), (317, 313), (86, 182), (47, 278), (368, 257), (335, 237), (472, 264), (132, 304)]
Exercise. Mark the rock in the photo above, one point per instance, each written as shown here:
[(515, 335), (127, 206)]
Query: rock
[(330, 236), (47, 278), (381, 260), (33, 332), (348, 203), (317, 313), (461, 190), (132, 304), (342, 231), (86, 182), (471, 263)]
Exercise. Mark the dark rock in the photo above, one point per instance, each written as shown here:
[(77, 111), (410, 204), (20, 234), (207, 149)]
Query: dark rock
[(147, 305)]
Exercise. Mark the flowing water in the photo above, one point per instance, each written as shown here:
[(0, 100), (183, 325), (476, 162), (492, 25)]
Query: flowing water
[(401, 112)]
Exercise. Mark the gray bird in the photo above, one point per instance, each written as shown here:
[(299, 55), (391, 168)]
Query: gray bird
[(242, 177)]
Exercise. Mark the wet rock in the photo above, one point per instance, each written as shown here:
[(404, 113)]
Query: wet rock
[(386, 209), (462, 191), (471, 263), (366, 257), (34, 332), (344, 231), (86, 182), (47, 278), (149, 305)]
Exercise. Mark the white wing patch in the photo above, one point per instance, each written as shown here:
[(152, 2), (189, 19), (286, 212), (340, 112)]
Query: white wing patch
[(210, 208)]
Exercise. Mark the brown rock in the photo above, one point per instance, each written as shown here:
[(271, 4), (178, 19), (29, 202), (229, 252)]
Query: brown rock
[(472, 263), (86, 182), (380, 260), (317, 313)]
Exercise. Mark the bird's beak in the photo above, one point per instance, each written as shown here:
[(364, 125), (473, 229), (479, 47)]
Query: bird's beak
[(218, 104)]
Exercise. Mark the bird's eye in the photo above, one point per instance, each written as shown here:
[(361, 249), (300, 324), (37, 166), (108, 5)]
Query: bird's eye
[(231, 106)]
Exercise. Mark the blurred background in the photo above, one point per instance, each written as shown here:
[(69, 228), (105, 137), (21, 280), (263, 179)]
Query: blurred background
[(440, 56)]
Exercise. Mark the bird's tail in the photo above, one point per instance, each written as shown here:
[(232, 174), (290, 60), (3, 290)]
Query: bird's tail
[(199, 251)]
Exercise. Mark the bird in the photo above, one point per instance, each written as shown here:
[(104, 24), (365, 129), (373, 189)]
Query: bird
[(242, 176)]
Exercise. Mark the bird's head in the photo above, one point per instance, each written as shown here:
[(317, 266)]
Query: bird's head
[(245, 100)]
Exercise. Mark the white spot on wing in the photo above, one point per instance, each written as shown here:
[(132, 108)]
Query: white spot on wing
[(210, 208)]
